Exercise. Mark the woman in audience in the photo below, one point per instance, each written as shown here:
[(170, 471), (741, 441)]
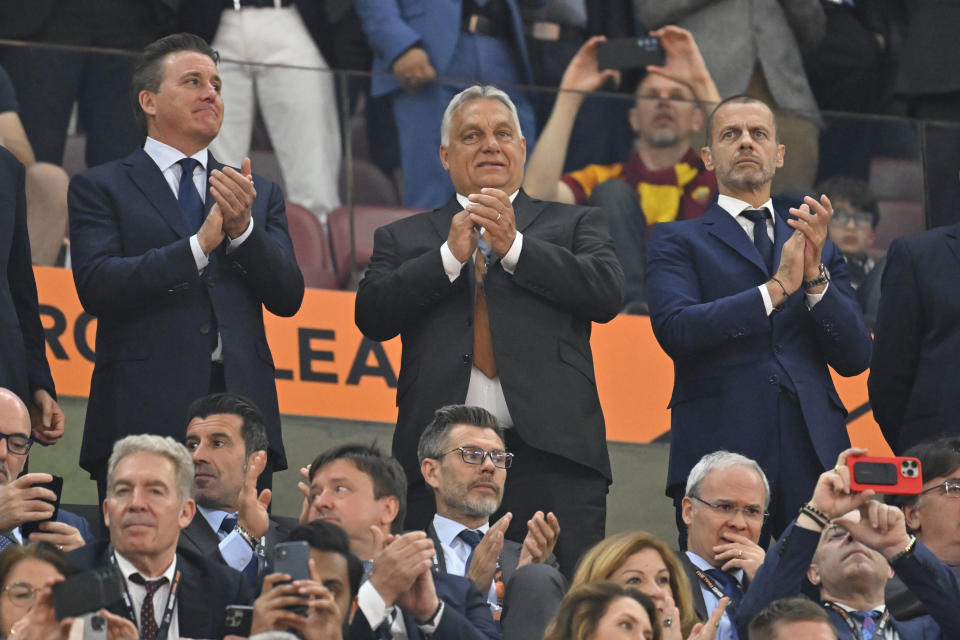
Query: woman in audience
[(639, 560), (604, 611), (23, 571)]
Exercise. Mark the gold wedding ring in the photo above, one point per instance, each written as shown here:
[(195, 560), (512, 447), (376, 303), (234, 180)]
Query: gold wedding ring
[(499, 215), (740, 553)]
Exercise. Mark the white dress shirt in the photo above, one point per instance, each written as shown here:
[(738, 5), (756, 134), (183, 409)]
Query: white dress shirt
[(735, 207), (139, 592), (483, 391), (456, 551)]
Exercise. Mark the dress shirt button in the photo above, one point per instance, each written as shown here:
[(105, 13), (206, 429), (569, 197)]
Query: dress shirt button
[(467, 358), (205, 328), (774, 379)]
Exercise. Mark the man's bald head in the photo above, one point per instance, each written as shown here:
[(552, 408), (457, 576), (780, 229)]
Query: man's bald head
[(14, 420)]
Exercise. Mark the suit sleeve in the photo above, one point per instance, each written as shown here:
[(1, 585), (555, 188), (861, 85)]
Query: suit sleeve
[(386, 30), (267, 263), (476, 624), (23, 290), (108, 282), (585, 278), (898, 342), (935, 585), (394, 292)]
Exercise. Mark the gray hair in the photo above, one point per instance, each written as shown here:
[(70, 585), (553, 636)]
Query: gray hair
[(475, 92), (723, 460), (164, 446)]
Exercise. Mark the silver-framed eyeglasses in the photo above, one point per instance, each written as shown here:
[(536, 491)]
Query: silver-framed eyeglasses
[(17, 443), (475, 455), (20, 593), (950, 486), (729, 510)]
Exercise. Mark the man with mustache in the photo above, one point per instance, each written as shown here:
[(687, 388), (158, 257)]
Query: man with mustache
[(753, 304), (227, 437), (663, 179), (463, 459), (167, 593)]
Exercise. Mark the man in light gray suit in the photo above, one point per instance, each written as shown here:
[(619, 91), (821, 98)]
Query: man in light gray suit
[(754, 47), (463, 459)]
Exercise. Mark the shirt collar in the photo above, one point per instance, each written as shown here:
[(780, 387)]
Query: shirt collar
[(704, 566), (879, 608), (166, 156), (448, 530), (127, 569), (214, 517), (462, 199), (735, 206)]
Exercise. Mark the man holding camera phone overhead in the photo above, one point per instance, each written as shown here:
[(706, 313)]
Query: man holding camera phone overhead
[(753, 305)]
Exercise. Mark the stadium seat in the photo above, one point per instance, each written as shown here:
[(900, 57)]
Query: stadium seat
[(311, 248), (371, 185), (367, 218), (898, 179), (897, 218)]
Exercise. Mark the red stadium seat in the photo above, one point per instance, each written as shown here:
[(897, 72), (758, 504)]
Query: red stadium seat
[(311, 248), (367, 219)]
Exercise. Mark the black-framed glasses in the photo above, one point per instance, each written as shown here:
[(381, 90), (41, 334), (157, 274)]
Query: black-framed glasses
[(17, 443), (475, 455), (950, 486), (842, 217), (835, 533), (729, 510), (20, 593)]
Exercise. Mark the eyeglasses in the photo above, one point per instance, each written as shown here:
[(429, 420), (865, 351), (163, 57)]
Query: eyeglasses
[(842, 217), (950, 486), (17, 443), (20, 593), (475, 455), (834, 533), (728, 510)]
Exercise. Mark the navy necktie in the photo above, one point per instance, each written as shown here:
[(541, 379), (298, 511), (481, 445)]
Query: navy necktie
[(472, 538), (868, 623), (187, 195), (761, 240), (728, 584), (6, 541), (228, 524)]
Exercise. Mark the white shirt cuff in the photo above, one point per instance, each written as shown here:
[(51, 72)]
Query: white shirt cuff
[(372, 605), (510, 259), (451, 265), (814, 298), (233, 243), (198, 255), (767, 302), (430, 629), (236, 551)]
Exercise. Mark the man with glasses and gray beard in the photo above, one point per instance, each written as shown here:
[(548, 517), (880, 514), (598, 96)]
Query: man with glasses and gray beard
[(463, 459)]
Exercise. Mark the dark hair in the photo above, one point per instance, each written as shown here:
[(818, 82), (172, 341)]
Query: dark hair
[(253, 429), (584, 605), (740, 99), (433, 439), (784, 611), (853, 190), (388, 477), (326, 536), (148, 67), (937, 458)]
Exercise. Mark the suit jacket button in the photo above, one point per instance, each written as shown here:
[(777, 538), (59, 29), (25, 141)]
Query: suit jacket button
[(205, 328), (774, 379), (467, 358), (778, 349)]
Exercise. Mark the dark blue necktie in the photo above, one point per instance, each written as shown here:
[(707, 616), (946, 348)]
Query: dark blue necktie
[(187, 195), (472, 538), (761, 240), (7, 541), (728, 584), (868, 623)]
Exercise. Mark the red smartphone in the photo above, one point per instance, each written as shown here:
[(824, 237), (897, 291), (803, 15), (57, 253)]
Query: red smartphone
[(895, 474)]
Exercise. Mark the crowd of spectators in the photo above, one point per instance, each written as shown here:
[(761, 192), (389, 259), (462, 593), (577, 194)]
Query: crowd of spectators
[(448, 537)]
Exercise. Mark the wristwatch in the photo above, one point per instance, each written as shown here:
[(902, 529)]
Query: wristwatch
[(824, 278)]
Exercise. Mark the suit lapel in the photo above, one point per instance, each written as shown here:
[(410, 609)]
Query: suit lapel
[(193, 613), (144, 173), (722, 226), (781, 233), (200, 537), (699, 606), (953, 240), (208, 200), (440, 218), (526, 210)]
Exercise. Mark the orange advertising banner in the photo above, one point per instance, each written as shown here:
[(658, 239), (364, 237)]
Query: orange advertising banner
[(326, 368)]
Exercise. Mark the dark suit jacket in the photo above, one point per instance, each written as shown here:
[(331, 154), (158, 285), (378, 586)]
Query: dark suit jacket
[(902, 602), (206, 588), (466, 614), (730, 358), (23, 365), (914, 383), (157, 317), (783, 574), (200, 538), (567, 278)]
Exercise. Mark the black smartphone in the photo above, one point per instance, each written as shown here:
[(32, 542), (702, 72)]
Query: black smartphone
[(87, 591), (55, 485), (293, 558), (630, 53), (238, 619)]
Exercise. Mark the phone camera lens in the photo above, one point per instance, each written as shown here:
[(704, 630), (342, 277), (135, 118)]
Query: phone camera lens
[(98, 623)]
